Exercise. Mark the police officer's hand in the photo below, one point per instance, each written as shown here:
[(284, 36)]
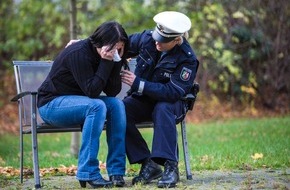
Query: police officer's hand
[(127, 77), (71, 42)]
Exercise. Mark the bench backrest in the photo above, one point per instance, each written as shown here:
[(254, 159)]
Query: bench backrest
[(29, 75)]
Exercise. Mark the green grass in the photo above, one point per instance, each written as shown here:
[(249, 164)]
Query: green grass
[(230, 144), (214, 145)]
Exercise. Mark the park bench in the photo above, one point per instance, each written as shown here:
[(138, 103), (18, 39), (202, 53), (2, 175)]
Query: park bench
[(28, 76)]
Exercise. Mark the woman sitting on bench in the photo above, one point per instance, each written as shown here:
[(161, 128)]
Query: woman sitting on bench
[(71, 95)]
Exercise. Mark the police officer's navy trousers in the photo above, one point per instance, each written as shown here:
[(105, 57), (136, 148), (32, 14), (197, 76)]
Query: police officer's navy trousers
[(165, 116)]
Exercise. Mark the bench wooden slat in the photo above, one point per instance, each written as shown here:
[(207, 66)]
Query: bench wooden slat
[(45, 128)]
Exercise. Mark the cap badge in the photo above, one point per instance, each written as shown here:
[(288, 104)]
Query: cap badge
[(161, 28)]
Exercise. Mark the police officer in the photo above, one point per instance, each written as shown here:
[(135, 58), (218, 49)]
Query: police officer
[(165, 72)]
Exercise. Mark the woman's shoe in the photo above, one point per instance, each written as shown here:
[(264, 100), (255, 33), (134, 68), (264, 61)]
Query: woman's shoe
[(83, 184), (97, 183), (117, 180)]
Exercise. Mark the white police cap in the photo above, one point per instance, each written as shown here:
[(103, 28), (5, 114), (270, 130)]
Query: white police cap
[(170, 24)]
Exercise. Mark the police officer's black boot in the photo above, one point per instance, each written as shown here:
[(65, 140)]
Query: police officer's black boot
[(170, 175), (149, 171)]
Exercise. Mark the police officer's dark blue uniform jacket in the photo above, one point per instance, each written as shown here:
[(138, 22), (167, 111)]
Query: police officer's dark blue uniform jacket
[(173, 75)]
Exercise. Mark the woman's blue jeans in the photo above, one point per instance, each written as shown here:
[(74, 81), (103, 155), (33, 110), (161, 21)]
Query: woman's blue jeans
[(92, 113)]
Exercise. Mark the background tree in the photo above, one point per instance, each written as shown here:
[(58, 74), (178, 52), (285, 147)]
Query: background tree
[(75, 140)]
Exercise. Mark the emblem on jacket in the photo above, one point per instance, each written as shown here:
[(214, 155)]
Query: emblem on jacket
[(185, 74)]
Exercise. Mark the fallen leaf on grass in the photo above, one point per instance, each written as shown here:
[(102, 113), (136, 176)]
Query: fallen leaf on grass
[(71, 171), (27, 172), (8, 171), (257, 156), (102, 165)]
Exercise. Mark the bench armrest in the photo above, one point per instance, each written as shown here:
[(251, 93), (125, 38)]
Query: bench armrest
[(190, 98), (21, 95)]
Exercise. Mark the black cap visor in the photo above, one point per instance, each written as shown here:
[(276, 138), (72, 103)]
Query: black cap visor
[(159, 38)]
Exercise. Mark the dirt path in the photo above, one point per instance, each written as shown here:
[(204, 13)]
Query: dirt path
[(205, 180)]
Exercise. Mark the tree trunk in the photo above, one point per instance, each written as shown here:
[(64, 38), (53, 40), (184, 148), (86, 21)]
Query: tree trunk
[(75, 140)]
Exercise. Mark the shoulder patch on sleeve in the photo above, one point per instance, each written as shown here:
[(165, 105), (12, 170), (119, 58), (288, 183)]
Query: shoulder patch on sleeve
[(185, 74)]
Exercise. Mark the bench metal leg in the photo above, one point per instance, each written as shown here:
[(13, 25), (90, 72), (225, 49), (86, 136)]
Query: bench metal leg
[(21, 155), (185, 150), (34, 142), (21, 141)]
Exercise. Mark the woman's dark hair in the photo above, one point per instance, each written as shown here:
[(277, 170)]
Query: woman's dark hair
[(109, 33)]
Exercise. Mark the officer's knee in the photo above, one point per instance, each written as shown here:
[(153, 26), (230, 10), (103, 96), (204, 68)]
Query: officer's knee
[(162, 107)]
